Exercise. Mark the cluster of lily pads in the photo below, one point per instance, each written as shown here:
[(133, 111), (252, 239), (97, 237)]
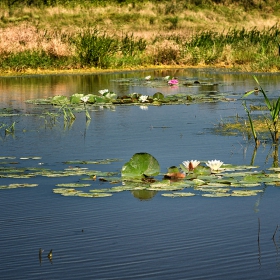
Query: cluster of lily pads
[(111, 98), (105, 96), (141, 176), (210, 178)]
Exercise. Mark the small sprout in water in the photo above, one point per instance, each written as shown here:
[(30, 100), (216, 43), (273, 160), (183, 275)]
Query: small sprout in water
[(50, 255), (143, 98), (214, 164), (103, 91), (191, 165), (85, 99)]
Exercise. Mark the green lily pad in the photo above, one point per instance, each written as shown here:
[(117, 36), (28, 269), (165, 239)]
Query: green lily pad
[(15, 186), (158, 96), (198, 182), (140, 165), (73, 185), (218, 194), (212, 189), (100, 161), (202, 170), (59, 100), (96, 195), (178, 194), (245, 192), (76, 98)]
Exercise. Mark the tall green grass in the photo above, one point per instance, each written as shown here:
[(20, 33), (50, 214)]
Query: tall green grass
[(22, 61), (247, 46), (255, 50), (97, 49), (272, 122)]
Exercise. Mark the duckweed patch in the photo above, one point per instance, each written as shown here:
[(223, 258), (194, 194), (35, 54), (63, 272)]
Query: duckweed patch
[(238, 126)]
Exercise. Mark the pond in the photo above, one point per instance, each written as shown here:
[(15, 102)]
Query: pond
[(131, 235)]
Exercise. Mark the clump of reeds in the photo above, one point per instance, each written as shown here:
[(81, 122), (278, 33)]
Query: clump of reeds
[(272, 122)]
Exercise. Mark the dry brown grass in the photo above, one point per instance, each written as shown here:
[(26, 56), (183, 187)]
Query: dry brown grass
[(146, 17), (26, 37), (33, 29)]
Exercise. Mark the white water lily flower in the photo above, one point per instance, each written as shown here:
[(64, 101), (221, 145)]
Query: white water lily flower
[(192, 163), (85, 99), (148, 78), (143, 98), (103, 91), (214, 164)]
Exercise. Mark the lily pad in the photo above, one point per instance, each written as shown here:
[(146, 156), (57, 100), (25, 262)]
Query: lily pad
[(140, 165), (158, 96), (59, 100), (178, 194), (218, 194), (245, 192), (15, 186), (82, 194), (76, 98), (73, 185)]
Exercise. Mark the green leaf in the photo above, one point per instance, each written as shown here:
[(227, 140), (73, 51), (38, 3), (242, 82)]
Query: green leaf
[(248, 93), (276, 110), (178, 194), (268, 104), (59, 100), (92, 98), (76, 98), (173, 169), (202, 170), (101, 99), (158, 96), (140, 165)]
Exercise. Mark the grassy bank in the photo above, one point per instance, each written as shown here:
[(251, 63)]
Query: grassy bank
[(132, 34)]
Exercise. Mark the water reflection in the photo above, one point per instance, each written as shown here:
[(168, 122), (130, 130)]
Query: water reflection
[(144, 194), (15, 90)]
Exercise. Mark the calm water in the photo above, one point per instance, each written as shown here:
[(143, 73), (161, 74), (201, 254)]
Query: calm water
[(122, 237)]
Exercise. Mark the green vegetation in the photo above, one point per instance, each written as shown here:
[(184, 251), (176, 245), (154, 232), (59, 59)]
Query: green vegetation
[(274, 109), (228, 181), (63, 35)]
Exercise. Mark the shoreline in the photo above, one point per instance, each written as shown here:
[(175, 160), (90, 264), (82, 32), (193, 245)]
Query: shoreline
[(95, 71)]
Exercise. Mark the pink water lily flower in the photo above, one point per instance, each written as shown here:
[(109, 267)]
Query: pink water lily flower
[(173, 81)]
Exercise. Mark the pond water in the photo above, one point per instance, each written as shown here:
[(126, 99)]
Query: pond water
[(125, 236)]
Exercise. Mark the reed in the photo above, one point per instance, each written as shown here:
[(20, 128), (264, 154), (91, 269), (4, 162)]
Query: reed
[(273, 106)]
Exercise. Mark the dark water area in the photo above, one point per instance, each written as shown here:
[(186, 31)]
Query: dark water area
[(122, 236)]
